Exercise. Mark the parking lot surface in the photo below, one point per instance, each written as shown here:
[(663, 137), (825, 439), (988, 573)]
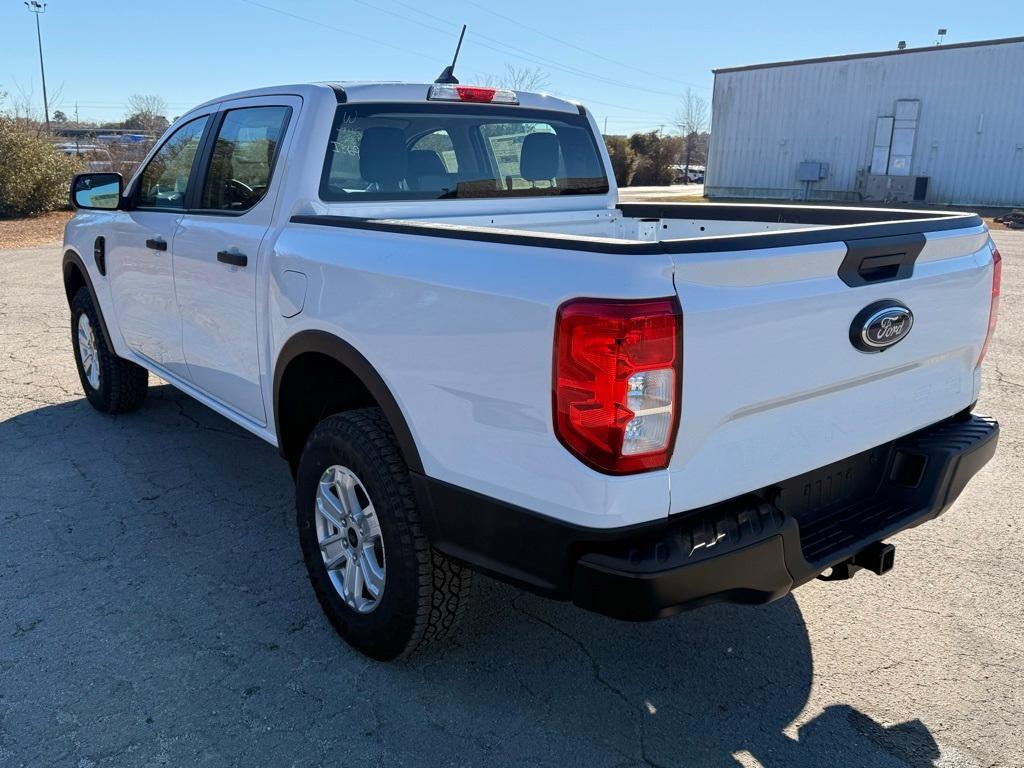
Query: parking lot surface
[(154, 610), (674, 192)]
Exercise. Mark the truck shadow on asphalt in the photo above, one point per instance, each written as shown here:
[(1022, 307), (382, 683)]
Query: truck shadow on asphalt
[(174, 584)]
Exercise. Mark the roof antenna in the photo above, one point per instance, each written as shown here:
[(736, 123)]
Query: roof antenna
[(447, 76)]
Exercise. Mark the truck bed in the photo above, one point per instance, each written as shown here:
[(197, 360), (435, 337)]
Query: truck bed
[(768, 294), (669, 227)]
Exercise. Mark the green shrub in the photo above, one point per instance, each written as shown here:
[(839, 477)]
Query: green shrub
[(623, 159), (656, 155), (34, 175)]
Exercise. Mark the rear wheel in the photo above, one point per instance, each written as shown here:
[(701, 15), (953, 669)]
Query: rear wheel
[(381, 584), (111, 383)]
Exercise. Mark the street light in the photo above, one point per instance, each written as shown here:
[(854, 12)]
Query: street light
[(38, 8)]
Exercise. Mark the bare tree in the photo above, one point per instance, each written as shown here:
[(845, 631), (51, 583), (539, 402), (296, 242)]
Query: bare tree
[(143, 103), (146, 112), (517, 78), (525, 78), (22, 105), (692, 121)]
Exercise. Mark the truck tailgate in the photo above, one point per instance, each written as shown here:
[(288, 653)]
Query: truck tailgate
[(773, 386)]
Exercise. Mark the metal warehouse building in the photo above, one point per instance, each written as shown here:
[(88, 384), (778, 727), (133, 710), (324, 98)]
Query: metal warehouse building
[(941, 125)]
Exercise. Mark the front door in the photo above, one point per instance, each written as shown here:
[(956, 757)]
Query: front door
[(140, 247), (217, 251)]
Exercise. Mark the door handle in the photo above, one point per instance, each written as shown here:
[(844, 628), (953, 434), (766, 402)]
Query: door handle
[(234, 259), (157, 244)]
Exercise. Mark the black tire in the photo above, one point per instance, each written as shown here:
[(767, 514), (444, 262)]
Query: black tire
[(423, 590), (122, 383)]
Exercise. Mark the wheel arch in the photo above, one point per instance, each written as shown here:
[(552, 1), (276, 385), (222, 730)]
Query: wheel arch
[(293, 422), (76, 276)]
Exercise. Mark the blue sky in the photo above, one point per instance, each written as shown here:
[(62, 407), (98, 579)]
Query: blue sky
[(628, 61)]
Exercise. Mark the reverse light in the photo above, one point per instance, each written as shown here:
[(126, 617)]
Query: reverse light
[(474, 93), (993, 312), (617, 379)]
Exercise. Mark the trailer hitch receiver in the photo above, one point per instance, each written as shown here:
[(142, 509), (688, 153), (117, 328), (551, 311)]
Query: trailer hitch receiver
[(878, 558)]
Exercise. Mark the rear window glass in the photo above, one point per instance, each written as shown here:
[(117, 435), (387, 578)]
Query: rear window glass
[(442, 151)]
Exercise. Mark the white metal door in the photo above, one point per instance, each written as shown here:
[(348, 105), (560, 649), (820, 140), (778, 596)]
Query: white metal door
[(139, 261), (217, 250), (140, 247), (903, 133), (880, 151)]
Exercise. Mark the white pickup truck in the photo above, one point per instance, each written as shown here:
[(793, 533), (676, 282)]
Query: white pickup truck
[(473, 357)]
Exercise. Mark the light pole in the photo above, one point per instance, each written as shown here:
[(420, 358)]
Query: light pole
[(38, 8)]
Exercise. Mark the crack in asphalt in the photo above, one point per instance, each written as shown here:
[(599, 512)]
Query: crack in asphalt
[(156, 610)]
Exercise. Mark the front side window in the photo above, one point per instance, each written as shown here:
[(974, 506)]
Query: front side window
[(164, 181), (505, 143), (440, 144), (432, 162), (448, 151), (243, 158)]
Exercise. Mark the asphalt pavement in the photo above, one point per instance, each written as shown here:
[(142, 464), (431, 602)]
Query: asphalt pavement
[(154, 610)]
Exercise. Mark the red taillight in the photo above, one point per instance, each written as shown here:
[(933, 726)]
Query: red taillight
[(617, 379), (474, 93), (993, 312)]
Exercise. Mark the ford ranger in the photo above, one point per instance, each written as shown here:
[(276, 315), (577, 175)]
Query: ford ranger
[(475, 358)]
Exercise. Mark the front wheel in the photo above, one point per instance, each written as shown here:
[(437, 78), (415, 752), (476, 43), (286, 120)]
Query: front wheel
[(111, 383), (381, 584)]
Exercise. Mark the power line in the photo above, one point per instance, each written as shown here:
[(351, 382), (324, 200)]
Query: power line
[(345, 31), (472, 40), (505, 48), (580, 47), (122, 105), (609, 104)]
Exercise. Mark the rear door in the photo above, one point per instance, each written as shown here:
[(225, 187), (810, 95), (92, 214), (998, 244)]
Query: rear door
[(140, 244), (774, 384), (217, 250)]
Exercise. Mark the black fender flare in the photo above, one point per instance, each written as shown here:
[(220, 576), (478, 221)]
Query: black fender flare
[(330, 345), (71, 261)]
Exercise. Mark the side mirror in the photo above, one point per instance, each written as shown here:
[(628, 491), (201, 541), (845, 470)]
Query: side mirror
[(97, 191)]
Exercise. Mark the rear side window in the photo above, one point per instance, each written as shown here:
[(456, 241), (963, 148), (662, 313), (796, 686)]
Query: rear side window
[(164, 180), (448, 151), (243, 158)]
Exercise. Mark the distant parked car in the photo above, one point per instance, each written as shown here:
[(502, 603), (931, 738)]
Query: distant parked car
[(693, 174), (95, 159)]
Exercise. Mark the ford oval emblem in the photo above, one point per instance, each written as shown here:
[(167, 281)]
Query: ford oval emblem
[(880, 325)]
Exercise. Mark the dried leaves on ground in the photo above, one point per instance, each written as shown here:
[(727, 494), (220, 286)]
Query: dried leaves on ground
[(33, 230)]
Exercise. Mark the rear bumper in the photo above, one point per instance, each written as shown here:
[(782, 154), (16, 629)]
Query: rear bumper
[(752, 549)]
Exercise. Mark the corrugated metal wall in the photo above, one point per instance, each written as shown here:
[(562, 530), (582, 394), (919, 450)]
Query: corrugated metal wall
[(970, 138)]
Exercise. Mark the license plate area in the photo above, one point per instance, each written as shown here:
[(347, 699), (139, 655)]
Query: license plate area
[(839, 504), (822, 490)]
